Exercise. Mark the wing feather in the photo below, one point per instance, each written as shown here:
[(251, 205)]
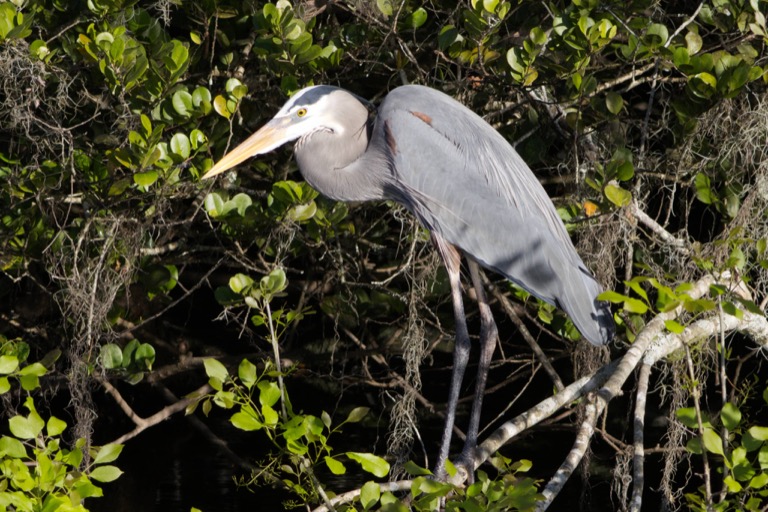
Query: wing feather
[(464, 181)]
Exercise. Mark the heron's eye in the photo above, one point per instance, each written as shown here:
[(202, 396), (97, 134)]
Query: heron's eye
[(301, 112)]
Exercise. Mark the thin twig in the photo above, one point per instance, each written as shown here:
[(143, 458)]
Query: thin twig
[(699, 420), (540, 355)]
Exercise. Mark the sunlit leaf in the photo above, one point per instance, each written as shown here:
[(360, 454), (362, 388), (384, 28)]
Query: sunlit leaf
[(180, 145), (10, 447), (730, 416), (145, 179), (618, 195), (370, 463), (245, 421), (55, 426), (687, 416), (8, 364), (215, 369), (26, 427), (370, 494), (108, 453), (106, 473), (336, 467), (712, 441)]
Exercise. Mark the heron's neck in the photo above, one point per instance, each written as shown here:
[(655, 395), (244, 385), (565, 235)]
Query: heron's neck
[(340, 165)]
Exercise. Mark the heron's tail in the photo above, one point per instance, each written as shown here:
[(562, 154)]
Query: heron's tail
[(593, 318)]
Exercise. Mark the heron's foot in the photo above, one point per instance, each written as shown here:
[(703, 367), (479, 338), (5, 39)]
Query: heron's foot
[(459, 474), (465, 465)]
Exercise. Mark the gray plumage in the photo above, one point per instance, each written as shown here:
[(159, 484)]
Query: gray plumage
[(462, 180)]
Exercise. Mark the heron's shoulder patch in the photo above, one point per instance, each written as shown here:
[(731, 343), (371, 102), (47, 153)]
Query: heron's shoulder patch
[(421, 115), (390, 138)]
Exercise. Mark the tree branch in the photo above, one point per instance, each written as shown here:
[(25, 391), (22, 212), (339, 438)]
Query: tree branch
[(163, 414)]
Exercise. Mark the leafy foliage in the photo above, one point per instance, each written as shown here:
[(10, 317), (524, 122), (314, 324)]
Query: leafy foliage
[(112, 111), (37, 469)]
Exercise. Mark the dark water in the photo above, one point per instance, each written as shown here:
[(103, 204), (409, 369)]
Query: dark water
[(172, 468)]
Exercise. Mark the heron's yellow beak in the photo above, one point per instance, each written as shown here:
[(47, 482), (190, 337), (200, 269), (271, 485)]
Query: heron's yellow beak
[(270, 136)]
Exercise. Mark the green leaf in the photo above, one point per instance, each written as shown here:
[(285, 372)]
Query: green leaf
[(214, 204), (180, 145), (273, 283), (220, 106), (182, 103), (633, 305), (108, 453), (414, 469), (224, 399), (712, 441), (699, 305), (240, 283), (5, 385), (241, 202), (8, 364), (673, 326), (111, 356), (693, 42), (617, 195), (10, 447), (614, 102), (270, 415), (245, 421), (759, 481), (656, 35), (357, 414), (733, 485), (179, 55), (687, 416), (370, 463), (145, 356), (55, 426), (106, 474), (26, 427), (730, 416), (612, 296), (538, 36), (385, 6), (215, 369), (36, 369), (302, 212), (762, 457), (269, 393), (336, 467), (247, 373), (29, 382), (85, 489), (415, 20), (370, 494), (145, 179), (759, 433)]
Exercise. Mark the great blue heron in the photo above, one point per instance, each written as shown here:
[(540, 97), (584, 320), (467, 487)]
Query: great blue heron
[(463, 182)]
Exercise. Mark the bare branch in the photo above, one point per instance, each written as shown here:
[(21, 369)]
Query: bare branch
[(657, 228), (163, 414), (638, 474), (348, 497), (580, 446)]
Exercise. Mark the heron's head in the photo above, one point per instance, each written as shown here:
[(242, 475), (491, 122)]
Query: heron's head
[(320, 107)]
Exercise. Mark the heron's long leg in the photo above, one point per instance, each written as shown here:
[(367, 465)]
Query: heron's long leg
[(452, 260), (488, 336)]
